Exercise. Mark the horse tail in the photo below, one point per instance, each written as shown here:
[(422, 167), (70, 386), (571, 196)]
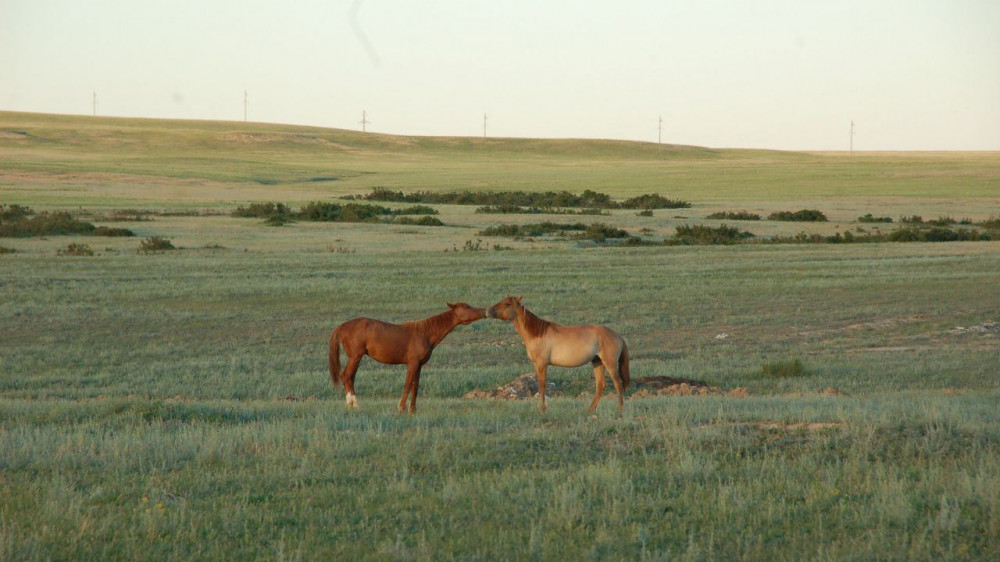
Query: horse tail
[(623, 364), (335, 356)]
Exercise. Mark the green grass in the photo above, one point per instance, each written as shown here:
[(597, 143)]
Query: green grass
[(59, 161), (177, 405)]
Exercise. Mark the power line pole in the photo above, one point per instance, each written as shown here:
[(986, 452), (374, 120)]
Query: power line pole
[(95, 104), (659, 132), (484, 125), (246, 102), (364, 121), (852, 137)]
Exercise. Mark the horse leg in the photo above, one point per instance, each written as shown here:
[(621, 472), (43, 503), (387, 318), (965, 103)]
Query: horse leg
[(347, 377), (407, 387), (600, 383), (541, 370), (616, 378), (414, 390)]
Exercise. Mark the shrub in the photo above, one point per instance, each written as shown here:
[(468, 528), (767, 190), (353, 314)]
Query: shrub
[(992, 223), (155, 244), (546, 199), (599, 232), (704, 235), (915, 219), (109, 231), (645, 213), (416, 210), (263, 210), (869, 218), (943, 221), (734, 216), (425, 220), (510, 230), (508, 210), (804, 215), (634, 241), (783, 369), (6, 250), (653, 201), (14, 213), (129, 215), (76, 249), (19, 222), (939, 234)]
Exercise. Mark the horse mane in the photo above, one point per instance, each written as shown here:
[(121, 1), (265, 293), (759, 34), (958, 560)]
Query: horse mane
[(436, 325), (534, 325)]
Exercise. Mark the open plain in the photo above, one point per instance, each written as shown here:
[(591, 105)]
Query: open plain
[(175, 404)]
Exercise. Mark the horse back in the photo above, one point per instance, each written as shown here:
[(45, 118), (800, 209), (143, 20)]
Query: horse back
[(364, 335)]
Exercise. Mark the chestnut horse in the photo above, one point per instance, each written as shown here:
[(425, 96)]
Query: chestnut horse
[(407, 344), (548, 343)]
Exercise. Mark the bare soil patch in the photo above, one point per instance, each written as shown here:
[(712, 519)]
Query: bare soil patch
[(521, 388), (526, 386), (669, 386)]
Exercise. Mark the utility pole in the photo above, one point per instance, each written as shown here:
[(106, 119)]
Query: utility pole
[(364, 121), (95, 104), (246, 102), (852, 137), (484, 125), (659, 131)]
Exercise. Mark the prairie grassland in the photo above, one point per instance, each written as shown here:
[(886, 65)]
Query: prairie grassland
[(177, 405), (62, 161)]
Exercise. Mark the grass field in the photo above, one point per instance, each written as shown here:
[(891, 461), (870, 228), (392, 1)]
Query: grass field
[(177, 404)]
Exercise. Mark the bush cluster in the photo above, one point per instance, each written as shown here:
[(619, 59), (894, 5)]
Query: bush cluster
[(547, 199), (17, 221), (155, 244), (992, 223), (692, 235), (805, 215), (277, 214), (869, 218), (940, 221), (76, 249), (905, 234), (597, 232), (519, 210), (734, 216), (425, 220)]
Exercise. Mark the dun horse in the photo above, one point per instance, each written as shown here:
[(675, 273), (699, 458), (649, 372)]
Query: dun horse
[(394, 344), (548, 343)]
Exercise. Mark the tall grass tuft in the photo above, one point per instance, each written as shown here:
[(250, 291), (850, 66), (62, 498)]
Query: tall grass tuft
[(783, 369)]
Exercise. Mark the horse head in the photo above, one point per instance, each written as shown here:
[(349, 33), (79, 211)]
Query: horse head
[(506, 309), (467, 314)]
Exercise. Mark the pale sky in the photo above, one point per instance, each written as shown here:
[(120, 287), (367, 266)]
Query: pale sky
[(778, 74)]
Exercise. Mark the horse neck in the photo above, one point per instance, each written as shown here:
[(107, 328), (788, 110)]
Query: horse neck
[(437, 327), (529, 325)]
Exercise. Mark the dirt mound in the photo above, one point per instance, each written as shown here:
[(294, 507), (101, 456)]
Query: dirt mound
[(669, 386), (526, 386), (988, 328), (521, 388)]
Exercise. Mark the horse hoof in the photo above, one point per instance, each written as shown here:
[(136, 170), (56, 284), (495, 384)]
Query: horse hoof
[(352, 401)]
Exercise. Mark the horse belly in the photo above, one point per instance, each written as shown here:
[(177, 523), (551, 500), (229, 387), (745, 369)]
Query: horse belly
[(387, 343), (572, 355)]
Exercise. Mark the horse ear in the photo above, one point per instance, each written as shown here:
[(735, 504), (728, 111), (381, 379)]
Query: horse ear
[(518, 299), (452, 306)]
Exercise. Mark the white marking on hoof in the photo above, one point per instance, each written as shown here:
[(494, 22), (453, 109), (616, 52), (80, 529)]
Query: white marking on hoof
[(352, 401)]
